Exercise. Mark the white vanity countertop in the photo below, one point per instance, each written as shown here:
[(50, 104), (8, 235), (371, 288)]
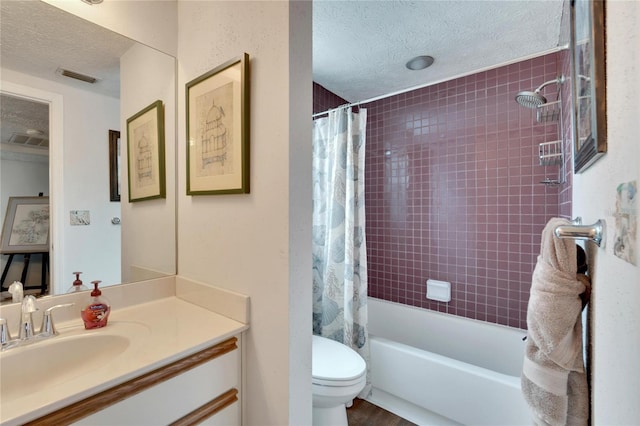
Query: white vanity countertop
[(161, 331)]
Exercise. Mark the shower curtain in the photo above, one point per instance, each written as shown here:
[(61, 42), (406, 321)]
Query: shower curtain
[(339, 249)]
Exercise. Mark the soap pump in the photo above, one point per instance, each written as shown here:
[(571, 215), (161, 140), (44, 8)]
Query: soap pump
[(96, 313), (77, 284)]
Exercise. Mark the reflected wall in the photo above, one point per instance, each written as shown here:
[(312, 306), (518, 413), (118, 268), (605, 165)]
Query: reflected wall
[(80, 127), (149, 226)]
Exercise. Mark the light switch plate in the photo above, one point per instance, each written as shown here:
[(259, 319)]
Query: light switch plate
[(79, 217)]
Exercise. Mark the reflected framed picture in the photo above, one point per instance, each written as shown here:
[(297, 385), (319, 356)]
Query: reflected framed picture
[(26, 226), (114, 165), (145, 154), (217, 107), (588, 76)]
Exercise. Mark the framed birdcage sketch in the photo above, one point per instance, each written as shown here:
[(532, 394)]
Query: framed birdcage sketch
[(145, 154), (589, 81), (26, 226), (217, 107)]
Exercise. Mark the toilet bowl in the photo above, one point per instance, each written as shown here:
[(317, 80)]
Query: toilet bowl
[(339, 374)]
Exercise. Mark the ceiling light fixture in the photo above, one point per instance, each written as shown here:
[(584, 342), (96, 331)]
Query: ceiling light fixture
[(420, 63), (92, 2)]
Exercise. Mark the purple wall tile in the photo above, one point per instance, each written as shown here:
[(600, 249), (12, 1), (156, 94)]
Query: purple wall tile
[(453, 190), (566, 197), (324, 99)]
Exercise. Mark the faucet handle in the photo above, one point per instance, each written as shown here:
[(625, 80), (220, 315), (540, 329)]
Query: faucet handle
[(29, 306), (5, 336), (48, 329)]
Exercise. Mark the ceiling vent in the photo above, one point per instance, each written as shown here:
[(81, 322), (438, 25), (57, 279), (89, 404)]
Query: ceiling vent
[(77, 76), (30, 141)]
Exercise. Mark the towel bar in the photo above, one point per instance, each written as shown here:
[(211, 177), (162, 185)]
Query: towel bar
[(593, 232)]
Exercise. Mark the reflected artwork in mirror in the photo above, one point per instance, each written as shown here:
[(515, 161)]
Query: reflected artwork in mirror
[(114, 165), (145, 153), (45, 57)]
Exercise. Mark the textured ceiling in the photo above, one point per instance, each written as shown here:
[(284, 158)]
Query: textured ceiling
[(24, 125), (38, 39), (360, 47)]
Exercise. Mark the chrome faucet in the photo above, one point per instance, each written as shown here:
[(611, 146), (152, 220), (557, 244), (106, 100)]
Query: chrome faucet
[(5, 336), (48, 329), (26, 334), (26, 324)]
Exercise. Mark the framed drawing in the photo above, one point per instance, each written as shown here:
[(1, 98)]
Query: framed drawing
[(218, 130), (114, 165), (145, 154), (588, 76), (26, 226)]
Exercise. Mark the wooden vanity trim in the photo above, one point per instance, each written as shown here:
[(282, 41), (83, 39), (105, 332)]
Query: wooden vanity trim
[(104, 399), (207, 410)]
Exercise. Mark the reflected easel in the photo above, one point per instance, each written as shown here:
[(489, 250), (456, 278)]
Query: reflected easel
[(25, 268), (27, 219)]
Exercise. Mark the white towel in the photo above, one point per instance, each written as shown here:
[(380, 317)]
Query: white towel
[(554, 382)]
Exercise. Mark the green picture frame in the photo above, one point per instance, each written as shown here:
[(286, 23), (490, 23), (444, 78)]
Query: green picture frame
[(146, 154), (217, 112)]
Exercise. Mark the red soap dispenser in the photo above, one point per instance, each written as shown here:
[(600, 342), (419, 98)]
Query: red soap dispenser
[(77, 284), (96, 313)]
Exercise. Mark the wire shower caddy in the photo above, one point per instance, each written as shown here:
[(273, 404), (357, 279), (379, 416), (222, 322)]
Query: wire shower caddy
[(552, 153)]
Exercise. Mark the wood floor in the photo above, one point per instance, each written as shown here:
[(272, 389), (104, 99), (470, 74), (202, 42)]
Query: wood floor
[(363, 413)]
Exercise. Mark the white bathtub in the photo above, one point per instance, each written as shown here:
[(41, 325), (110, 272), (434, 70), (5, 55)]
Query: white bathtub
[(436, 369)]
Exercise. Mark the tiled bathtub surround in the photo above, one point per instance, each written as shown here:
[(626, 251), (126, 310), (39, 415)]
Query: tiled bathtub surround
[(566, 196), (324, 99), (453, 192)]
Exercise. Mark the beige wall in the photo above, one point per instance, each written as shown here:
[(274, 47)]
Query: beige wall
[(258, 244), (615, 317)]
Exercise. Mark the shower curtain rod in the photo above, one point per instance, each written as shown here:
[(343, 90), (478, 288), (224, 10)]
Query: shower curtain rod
[(366, 101), (335, 109)]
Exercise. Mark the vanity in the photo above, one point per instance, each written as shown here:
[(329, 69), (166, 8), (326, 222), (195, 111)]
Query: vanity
[(171, 353)]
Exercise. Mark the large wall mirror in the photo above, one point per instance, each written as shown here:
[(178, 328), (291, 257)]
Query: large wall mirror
[(55, 141)]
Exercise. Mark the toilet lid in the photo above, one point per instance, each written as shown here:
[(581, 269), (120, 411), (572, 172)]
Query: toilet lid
[(333, 361)]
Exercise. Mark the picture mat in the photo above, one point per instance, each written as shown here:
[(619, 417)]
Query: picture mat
[(225, 89)]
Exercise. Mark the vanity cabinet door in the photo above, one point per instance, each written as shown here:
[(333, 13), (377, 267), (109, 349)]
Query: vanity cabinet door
[(209, 391)]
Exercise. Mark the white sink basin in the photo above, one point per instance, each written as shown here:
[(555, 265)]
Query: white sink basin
[(40, 365)]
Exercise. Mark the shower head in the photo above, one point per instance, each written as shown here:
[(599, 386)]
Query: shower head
[(530, 99), (535, 99)]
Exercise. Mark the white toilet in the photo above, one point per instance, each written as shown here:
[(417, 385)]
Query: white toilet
[(339, 374)]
